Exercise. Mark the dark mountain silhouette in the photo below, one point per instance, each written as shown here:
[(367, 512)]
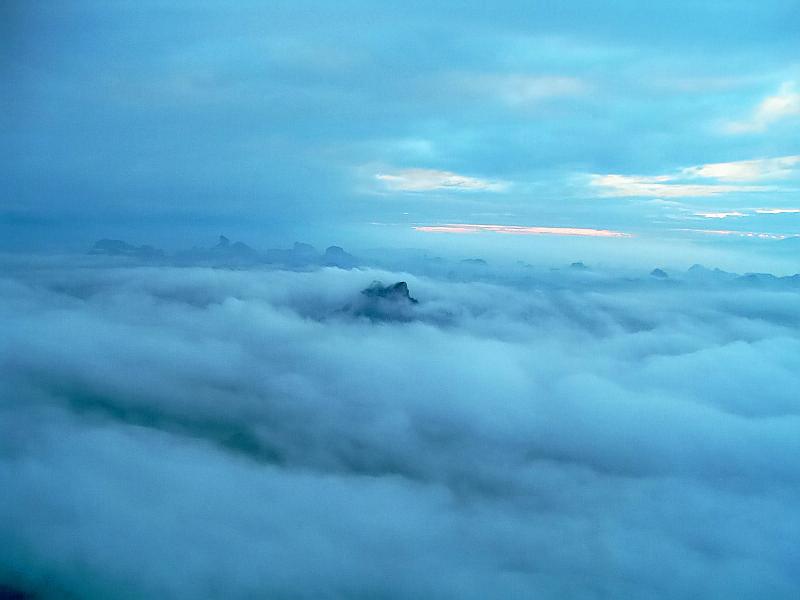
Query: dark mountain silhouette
[(109, 247), (476, 262), (335, 256), (224, 252), (380, 302), (397, 292), (299, 255), (699, 272)]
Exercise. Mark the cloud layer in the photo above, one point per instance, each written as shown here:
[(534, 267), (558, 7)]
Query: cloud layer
[(728, 178), (781, 106), (426, 180), (200, 433), (268, 117)]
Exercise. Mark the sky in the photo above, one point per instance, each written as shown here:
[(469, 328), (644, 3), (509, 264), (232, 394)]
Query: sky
[(398, 123)]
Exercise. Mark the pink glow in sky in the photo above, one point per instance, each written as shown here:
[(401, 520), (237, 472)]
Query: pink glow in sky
[(519, 230)]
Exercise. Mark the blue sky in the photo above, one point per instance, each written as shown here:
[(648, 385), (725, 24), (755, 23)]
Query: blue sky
[(657, 120)]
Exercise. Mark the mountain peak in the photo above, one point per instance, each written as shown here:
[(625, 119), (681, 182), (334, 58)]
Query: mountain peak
[(397, 292)]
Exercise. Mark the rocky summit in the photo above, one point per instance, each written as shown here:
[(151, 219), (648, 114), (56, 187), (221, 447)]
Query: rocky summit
[(397, 292)]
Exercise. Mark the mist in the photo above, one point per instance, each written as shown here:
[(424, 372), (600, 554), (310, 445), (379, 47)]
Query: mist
[(211, 431)]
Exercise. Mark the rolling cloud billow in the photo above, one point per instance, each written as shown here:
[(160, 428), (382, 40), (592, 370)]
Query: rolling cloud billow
[(182, 431)]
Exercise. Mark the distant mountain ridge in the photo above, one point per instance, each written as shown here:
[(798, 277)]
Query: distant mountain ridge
[(111, 247), (236, 253)]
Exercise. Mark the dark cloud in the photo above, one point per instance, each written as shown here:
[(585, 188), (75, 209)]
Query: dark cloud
[(199, 432)]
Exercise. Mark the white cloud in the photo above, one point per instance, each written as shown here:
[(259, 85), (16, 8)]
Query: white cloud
[(747, 170), (746, 234), (524, 437), (425, 180), (777, 211), (662, 186), (783, 105), (521, 90), (720, 215), (680, 184)]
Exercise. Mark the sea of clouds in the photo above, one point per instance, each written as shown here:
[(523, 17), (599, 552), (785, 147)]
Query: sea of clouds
[(198, 432)]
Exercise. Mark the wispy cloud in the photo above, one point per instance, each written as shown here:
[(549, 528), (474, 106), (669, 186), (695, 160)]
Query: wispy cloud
[(777, 211), (663, 186), (728, 178), (747, 234), (747, 213), (425, 180), (521, 90), (747, 170), (520, 230), (720, 215), (782, 105)]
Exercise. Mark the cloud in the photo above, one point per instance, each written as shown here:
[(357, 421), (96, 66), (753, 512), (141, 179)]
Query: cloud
[(747, 170), (745, 234), (680, 183), (737, 213), (783, 105), (425, 180), (519, 230), (213, 432), (257, 116), (777, 211), (745, 212), (663, 186), (720, 215), (519, 90)]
